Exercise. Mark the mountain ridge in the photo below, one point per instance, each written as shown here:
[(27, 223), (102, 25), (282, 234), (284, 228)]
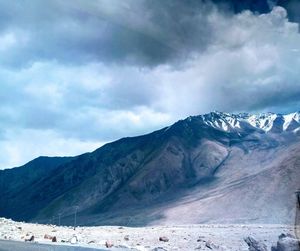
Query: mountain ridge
[(263, 121), (201, 161)]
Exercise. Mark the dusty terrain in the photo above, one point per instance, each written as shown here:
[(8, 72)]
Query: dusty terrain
[(188, 237)]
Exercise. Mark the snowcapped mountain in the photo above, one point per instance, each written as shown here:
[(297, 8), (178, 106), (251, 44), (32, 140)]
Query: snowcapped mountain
[(217, 167), (267, 122)]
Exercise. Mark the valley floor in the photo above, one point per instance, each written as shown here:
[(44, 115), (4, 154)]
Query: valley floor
[(187, 237)]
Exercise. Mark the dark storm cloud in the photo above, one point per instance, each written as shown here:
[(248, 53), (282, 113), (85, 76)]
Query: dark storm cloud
[(137, 32)]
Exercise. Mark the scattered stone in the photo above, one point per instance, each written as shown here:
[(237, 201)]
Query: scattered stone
[(108, 244), (126, 237), (120, 227), (211, 245), (255, 245), (90, 242), (20, 228), (163, 238), (48, 237), (73, 240), (200, 239), (281, 236), (29, 238)]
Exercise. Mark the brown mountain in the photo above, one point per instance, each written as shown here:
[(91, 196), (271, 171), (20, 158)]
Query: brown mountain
[(218, 167)]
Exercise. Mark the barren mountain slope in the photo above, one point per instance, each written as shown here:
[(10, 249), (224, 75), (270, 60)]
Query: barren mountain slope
[(218, 167)]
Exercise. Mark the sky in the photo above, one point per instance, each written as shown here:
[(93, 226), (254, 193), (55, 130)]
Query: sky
[(77, 74)]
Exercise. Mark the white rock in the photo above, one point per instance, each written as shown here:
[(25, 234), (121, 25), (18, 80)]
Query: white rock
[(73, 240)]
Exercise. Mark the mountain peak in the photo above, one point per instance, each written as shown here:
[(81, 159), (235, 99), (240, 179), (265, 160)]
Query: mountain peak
[(266, 122)]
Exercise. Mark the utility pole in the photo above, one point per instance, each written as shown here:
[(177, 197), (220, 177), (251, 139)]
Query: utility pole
[(59, 219), (129, 220), (75, 217)]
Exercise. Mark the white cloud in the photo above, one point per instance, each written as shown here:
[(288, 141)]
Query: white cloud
[(22, 145), (53, 108), (251, 66)]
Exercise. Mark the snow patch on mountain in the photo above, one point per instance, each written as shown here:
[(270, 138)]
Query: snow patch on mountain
[(266, 122)]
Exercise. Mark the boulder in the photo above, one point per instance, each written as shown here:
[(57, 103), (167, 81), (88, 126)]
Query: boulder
[(255, 245), (108, 244), (48, 237), (287, 242), (163, 238), (201, 238), (211, 245), (73, 240), (54, 239), (29, 237)]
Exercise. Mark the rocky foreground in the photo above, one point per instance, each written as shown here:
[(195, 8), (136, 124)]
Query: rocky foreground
[(188, 237)]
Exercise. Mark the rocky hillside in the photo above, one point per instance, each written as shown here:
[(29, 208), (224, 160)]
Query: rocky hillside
[(218, 167)]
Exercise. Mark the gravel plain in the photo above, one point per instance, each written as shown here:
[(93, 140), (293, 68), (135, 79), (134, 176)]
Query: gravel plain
[(185, 237)]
